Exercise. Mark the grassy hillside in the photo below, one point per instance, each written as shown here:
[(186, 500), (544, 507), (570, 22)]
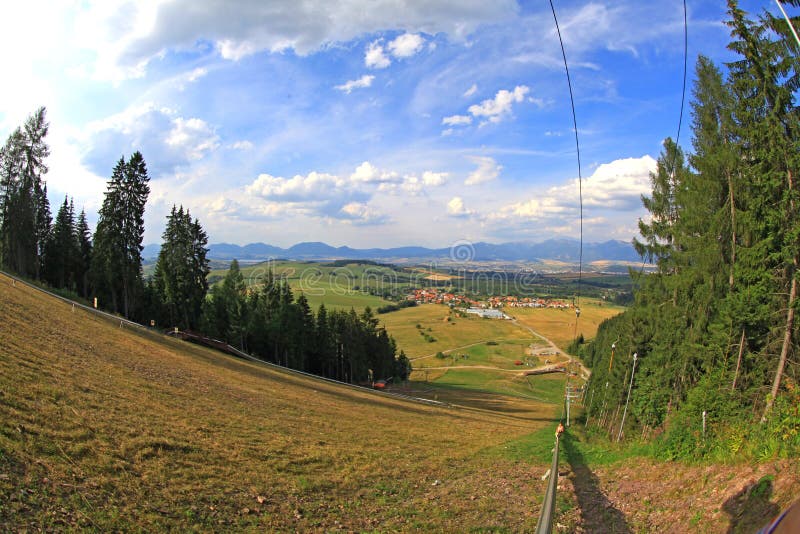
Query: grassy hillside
[(109, 429)]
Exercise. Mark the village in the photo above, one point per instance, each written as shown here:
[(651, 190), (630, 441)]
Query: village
[(490, 307)]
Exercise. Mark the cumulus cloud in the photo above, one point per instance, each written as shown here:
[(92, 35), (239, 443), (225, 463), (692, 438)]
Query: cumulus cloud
[(413, 185), (487, 170), (613, 187), (496, 108), (361, 213), (313, 187), (457, 120), (242, 145), (456, 208), (491, 110), (127, 36), (617, 185), (368, 173), (434, 179), (166, 139), (406, 45), (361, 83), (374, 58), (194, 137), (226, 207), (342, 196)]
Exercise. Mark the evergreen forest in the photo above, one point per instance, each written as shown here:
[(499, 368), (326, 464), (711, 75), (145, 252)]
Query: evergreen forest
[(707, 353)]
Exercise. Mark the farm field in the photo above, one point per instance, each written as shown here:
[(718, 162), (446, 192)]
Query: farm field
[(103, 428)]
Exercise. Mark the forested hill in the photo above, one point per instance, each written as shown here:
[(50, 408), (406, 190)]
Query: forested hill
[(708, 352)]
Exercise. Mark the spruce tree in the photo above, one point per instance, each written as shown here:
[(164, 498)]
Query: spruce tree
[(25, 224), (117, 253), (182, 268)]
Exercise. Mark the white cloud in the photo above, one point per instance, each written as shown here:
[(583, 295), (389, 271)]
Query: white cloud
[(361, 83), (368, 173), (615, 186), (498, 107), (242, 145), (247, 209), (493, 110), (618, 185), (166, 139), (313, 187), (471, 91), (374, 58), (126, 36), (406, 45), (337, 196), (193, 137), (457, 120), (360, 213), (413, 185), (456, 208), (487, 170), (434, 179)]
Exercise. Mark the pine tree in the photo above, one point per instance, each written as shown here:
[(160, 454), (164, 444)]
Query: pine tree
[(62, 249), (84, 258), (117, 254), (182, 269), (25, 224)]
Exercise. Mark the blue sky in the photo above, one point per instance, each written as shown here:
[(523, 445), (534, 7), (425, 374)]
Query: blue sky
[(380, 123)]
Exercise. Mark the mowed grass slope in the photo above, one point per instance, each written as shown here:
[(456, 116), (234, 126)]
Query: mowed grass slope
[(103, 428)]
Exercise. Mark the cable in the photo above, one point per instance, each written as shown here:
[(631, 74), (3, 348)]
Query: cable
[(789, 22), (683, 100), (580, 177)]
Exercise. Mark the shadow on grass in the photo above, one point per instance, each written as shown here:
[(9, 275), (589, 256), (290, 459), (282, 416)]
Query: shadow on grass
[(751, 508), (599, 513)]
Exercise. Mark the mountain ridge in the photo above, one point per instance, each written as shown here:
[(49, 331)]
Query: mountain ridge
[(559, 249)]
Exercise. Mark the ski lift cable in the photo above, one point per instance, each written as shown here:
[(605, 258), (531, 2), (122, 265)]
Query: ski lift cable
[(580, 177), (683, 102), (789, 22)]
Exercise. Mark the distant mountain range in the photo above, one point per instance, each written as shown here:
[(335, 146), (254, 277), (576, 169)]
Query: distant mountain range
[(566, 250)]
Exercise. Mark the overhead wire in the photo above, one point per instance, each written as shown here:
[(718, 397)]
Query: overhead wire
[(683, 102), (580, 177), (789, 22)]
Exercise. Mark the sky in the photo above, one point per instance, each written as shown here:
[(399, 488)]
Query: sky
[(364, 123)]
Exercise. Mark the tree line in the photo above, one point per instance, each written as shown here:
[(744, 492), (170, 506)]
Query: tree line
[(263, 317), (714, 328)]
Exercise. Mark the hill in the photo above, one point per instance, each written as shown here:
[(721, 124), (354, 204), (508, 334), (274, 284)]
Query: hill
[(105, 428), (109, 429)]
